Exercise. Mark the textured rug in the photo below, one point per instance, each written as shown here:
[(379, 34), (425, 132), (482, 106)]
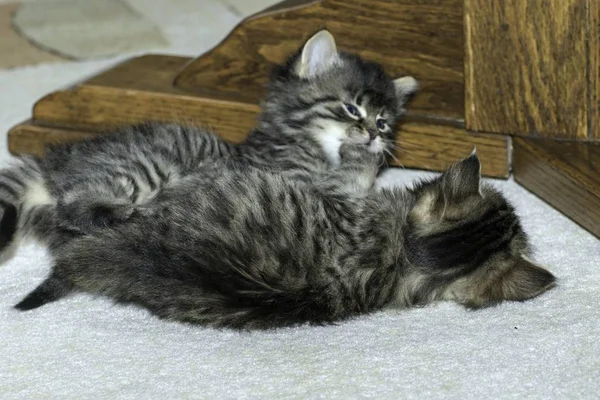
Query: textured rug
[(82, 29), (85, 347), (15, 49)]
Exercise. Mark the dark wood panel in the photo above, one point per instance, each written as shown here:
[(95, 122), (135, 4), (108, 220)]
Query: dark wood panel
[(30, 138), (420, 38), (435, 147), (525, 67), (565, 174), (594, 69)]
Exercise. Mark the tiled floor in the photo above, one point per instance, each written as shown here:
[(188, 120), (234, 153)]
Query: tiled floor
[(36, 31)]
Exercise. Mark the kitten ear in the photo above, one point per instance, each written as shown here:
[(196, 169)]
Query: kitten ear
[(462, 179), (318, 55), (519, 282), (405, 87), (525, 280)]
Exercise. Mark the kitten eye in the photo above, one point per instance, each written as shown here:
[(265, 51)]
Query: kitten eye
[(352, 110), (381, 124)]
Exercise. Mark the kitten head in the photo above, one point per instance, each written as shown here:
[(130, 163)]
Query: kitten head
[(466, 239), (333, 97)]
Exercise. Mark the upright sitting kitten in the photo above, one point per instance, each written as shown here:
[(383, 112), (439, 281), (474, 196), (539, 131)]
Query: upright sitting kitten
[(250, 249), (318, 100)]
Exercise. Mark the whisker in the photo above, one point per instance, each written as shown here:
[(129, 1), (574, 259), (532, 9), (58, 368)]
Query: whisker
[(405, 151), (395, 145), (383, 163), (419, 162), (391, 155), (390, 142), (413, 145), (395, 158)]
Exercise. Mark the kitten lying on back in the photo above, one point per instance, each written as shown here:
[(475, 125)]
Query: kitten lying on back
[(251, 249), (319, 99)]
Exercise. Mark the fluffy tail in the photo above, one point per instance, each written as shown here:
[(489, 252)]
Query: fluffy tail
[(25, 202)]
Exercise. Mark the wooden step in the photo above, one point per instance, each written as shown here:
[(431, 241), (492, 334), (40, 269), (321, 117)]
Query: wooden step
[(141, 89), (423, 38)]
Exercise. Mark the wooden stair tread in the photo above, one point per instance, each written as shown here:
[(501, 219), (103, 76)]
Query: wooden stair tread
[(31, 138), (220, 89), (420, 38), (141, 89)]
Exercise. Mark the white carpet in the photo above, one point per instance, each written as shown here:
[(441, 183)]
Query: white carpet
[(84, 347)]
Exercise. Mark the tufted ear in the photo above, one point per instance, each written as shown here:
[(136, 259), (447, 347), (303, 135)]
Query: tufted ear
[(406, 87), (318, 55), (462, 179)]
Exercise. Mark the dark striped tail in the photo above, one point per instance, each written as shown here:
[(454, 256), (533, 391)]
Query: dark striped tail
[(52, 289)]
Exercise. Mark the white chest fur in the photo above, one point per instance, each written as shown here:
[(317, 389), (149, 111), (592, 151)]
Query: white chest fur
[(330, 135)]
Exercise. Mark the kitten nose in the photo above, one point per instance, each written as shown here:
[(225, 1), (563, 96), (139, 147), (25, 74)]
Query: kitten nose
[(372, 133)]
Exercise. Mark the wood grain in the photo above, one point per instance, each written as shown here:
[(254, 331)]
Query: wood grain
[(421, 145), (525, 67), (420, 38), (30, 138), (139, 90), (594, 69), (564, 174), (435, 147)]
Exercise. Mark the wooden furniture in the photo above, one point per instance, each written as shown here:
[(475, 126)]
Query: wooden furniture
[(489, 70)]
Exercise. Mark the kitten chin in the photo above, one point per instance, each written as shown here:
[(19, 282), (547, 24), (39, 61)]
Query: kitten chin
[(377, 146)]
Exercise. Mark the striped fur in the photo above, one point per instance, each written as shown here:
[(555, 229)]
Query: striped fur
[(250, 249), (102, 181)]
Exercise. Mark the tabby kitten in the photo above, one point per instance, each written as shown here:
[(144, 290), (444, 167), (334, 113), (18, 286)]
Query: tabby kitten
[(319, 99), (255, 250)]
